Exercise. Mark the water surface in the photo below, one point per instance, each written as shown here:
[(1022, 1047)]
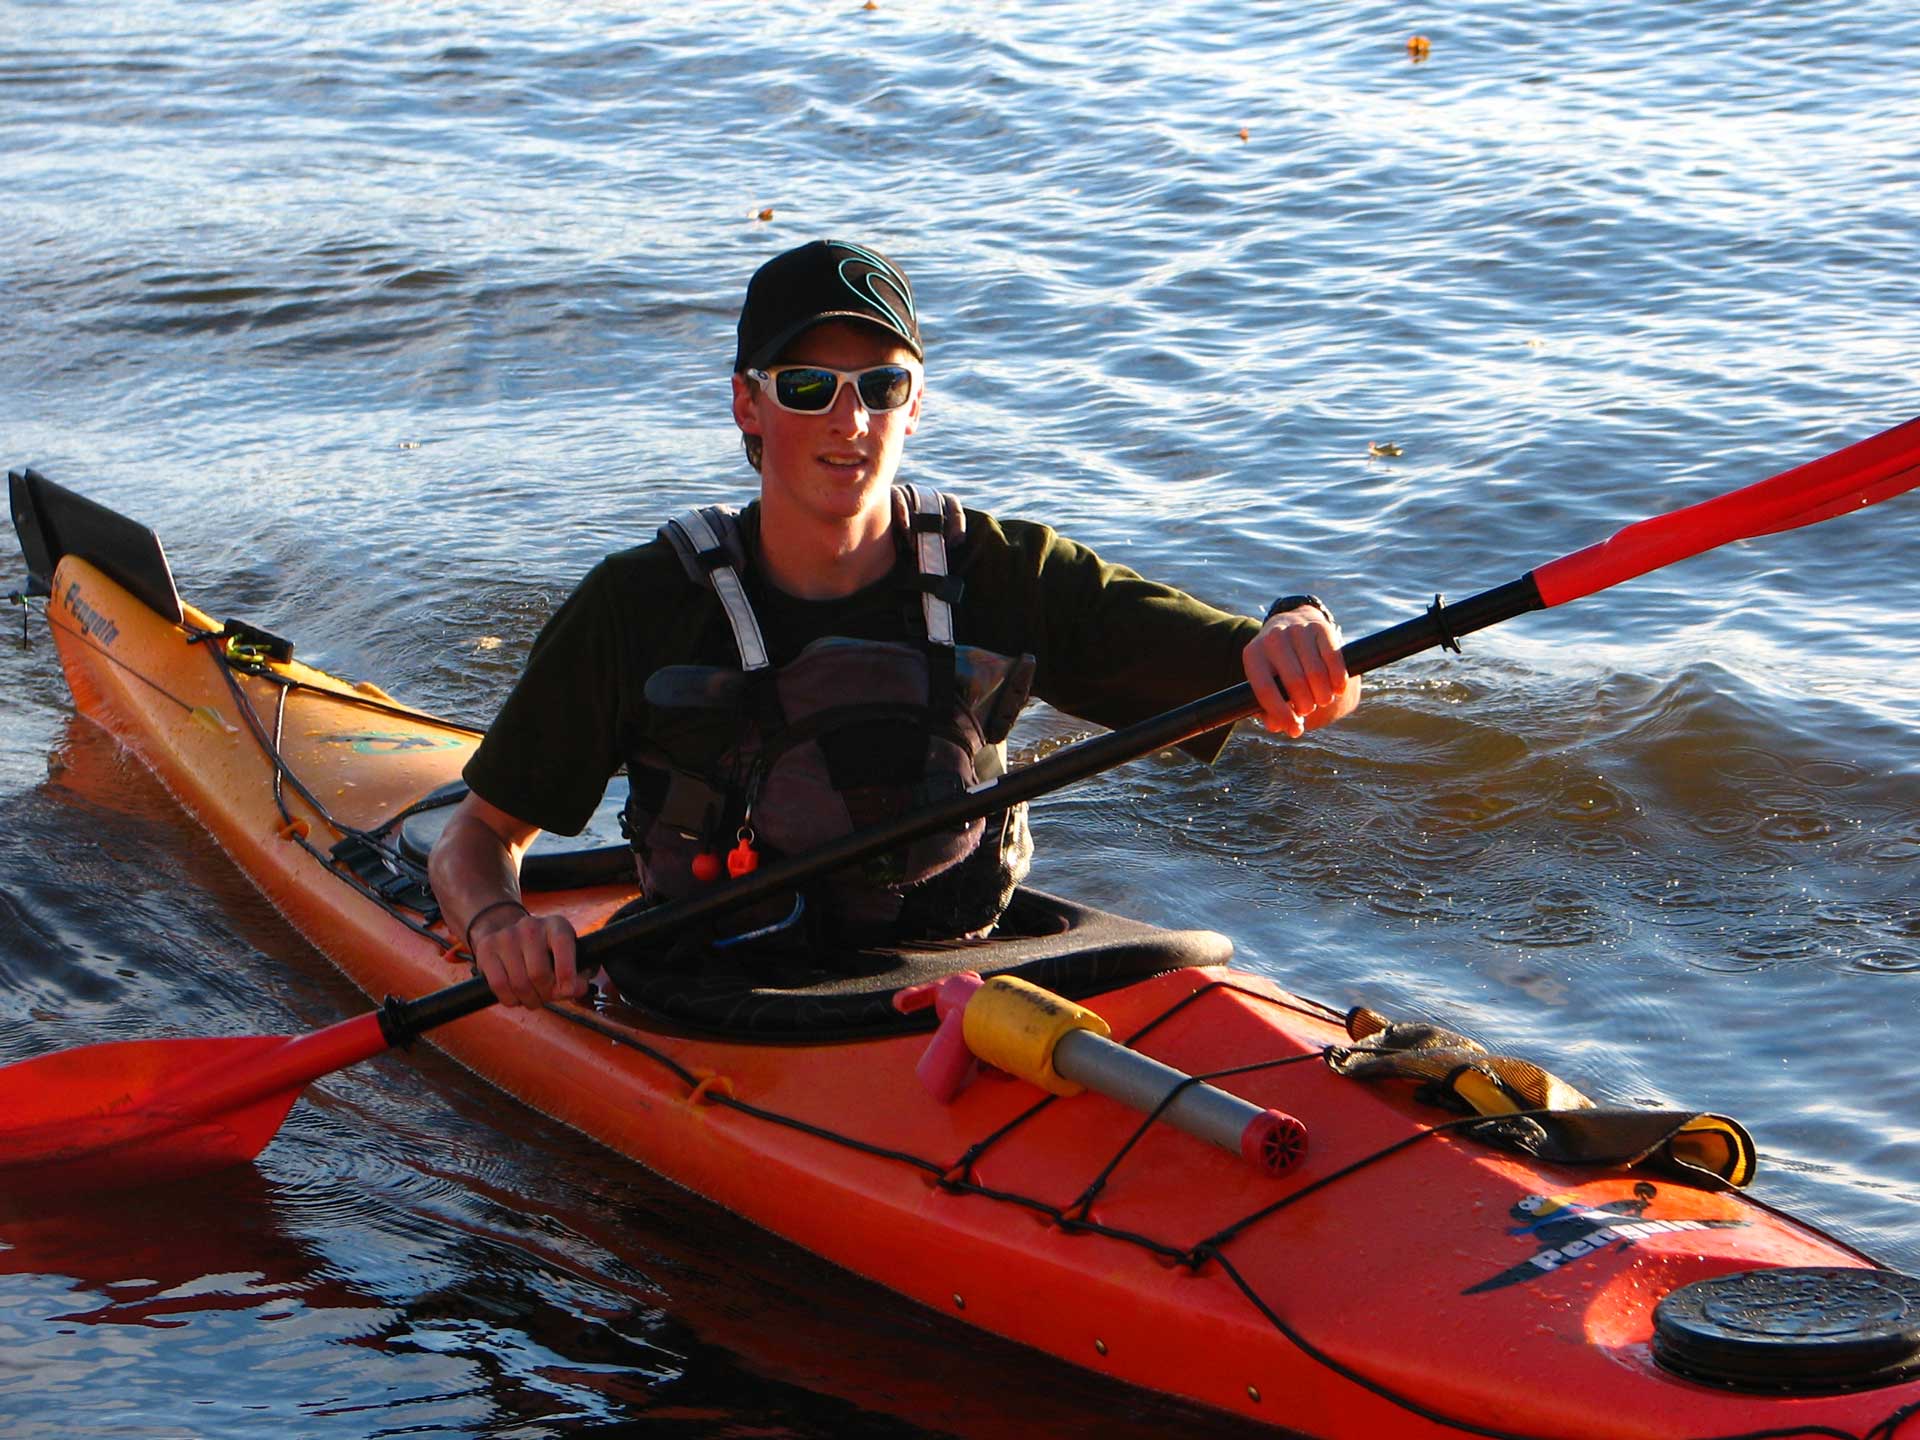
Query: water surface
[(391, 319)]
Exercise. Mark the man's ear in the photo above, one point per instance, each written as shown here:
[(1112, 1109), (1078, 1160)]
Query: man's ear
[(744, 413)]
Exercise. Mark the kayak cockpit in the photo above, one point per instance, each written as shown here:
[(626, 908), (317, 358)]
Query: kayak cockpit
[(1058, 944), (784, 995)]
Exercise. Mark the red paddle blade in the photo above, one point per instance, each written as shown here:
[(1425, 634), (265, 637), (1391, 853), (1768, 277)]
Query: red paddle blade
[(1851, 479), (103, 1114), (138, 1112)]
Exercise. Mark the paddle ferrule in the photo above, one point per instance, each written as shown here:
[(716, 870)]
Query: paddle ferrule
[(403, 1021), (1442, 625)]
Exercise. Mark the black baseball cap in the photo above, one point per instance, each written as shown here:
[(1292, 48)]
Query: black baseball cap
[(823, 280)]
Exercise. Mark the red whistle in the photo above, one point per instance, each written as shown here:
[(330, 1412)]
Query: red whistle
[(743, 859)]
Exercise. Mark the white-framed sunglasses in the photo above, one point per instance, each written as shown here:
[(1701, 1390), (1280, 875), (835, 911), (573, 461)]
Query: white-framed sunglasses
[(811, 389)]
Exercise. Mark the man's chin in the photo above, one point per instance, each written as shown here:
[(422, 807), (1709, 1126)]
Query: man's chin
[(851, 490), (836, 497)]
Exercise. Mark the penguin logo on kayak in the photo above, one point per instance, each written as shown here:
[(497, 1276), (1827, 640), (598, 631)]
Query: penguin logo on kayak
[(1568, 1231)]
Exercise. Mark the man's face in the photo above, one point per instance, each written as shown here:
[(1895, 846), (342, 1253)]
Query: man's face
[(839, 463)]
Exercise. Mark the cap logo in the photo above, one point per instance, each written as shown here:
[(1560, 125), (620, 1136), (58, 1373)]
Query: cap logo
[(863, 272)]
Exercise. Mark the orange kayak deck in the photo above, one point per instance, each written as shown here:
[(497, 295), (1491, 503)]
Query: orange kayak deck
[(1402, 1281)]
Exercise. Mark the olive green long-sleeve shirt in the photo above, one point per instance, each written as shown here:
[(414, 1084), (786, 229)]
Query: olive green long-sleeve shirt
[(1110, 647)]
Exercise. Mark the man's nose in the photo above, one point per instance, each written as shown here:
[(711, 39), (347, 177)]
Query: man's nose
[(848, 412)]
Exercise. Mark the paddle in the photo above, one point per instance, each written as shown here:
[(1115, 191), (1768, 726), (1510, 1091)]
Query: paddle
[(143, 1110)]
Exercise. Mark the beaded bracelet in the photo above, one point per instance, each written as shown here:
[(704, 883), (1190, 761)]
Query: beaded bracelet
[(486, 910)]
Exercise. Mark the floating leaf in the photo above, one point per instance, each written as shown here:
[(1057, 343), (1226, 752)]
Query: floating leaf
[(766, 214), (1383, 449)]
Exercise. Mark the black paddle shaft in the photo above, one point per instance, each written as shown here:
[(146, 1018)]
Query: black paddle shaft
[(1440, 626)]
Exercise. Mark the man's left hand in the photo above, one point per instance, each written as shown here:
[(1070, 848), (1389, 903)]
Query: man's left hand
[(1297, 673)]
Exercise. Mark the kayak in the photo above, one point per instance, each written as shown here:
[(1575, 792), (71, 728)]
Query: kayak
[(1418, 1271)]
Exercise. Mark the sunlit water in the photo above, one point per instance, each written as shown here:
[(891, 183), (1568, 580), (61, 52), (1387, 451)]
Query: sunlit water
[(392, 319)]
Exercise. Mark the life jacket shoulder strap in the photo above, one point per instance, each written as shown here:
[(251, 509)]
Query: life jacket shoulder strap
[(933, 524), (712, 552)]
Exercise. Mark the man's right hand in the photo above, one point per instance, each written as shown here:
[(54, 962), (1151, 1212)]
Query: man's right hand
[(475, 869), (528, 959)]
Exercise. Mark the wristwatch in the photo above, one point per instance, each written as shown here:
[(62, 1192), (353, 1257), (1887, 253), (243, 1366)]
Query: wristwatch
[(1295, 602)]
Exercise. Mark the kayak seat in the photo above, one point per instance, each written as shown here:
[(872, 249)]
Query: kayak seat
[(1069, 948)]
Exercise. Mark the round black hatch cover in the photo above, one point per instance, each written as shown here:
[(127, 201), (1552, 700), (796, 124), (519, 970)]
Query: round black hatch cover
[(1792, 1329), (598, 855)]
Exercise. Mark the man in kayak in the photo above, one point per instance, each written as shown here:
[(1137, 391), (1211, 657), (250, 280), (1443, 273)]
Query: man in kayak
[(840, 652)]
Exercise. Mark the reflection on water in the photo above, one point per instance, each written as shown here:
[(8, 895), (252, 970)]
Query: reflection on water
[(489, 1278)]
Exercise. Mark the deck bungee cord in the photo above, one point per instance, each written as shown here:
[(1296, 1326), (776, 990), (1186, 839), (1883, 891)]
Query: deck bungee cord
[(229, 661), (369, 842)]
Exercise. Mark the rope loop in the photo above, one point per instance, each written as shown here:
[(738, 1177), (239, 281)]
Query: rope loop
[(711, 1088)]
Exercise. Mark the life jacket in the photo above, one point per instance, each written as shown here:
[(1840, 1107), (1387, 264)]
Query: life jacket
[(766, 761)]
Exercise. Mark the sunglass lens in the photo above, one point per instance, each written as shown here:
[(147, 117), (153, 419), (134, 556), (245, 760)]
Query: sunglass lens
[(885, 387), (804, 389)]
